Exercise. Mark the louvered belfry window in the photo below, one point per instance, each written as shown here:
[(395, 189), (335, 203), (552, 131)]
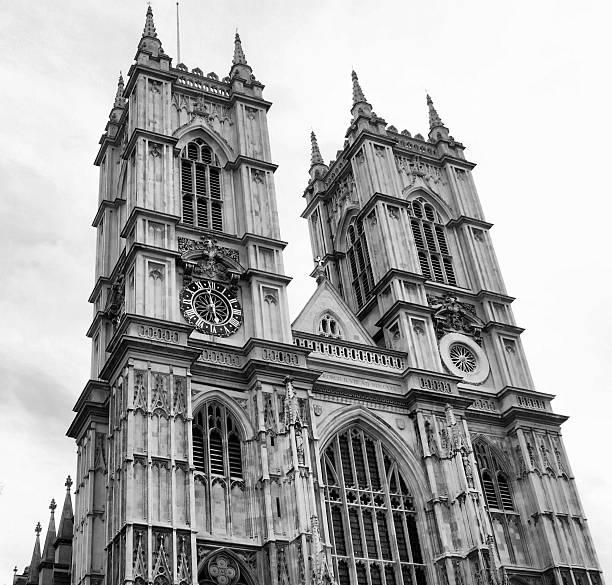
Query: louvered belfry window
[(494, 481), (430, 239), (371, 514), (359, 263), (201, 186), (217, 449)]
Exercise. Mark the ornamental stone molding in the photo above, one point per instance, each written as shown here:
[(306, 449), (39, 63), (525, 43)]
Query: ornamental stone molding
[(452, 316)]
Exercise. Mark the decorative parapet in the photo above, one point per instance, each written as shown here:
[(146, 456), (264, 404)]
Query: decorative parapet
[(338, 350), (206, 85)]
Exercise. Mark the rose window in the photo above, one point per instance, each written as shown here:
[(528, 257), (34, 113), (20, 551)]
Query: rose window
[(463, 358)]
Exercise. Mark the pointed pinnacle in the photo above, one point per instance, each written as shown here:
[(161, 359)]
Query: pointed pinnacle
[(239, 58), (119, 97), (149, 29), (434, 119), (357, 91), (315, 156)]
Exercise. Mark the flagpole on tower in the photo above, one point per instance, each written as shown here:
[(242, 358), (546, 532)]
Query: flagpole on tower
[(178, 36)]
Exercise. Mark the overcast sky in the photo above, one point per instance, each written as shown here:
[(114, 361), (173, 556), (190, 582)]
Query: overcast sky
[(524, 85)]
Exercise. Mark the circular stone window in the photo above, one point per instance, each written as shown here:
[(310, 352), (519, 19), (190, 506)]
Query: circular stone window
[(463, 357)]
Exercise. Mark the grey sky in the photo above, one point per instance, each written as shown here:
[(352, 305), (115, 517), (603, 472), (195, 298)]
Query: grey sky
[(524, 85)]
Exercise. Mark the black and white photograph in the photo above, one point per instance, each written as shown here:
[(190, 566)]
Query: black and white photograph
[(297, 293)]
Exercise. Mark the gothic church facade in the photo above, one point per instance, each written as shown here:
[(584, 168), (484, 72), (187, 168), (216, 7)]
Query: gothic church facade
[(390, 435)]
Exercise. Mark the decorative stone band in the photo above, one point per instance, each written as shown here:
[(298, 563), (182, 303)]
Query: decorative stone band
[(337, 351)]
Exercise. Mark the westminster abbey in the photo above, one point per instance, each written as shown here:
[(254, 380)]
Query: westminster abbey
[(390, 435)]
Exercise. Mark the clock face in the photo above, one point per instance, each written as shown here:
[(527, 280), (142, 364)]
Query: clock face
[(211, 308)]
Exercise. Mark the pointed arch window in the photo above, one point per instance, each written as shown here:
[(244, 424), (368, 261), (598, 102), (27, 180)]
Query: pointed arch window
[(371, 513), (217, 459), (360, 267), (500, 503), (430, 239), (329, 327), (201, 186)]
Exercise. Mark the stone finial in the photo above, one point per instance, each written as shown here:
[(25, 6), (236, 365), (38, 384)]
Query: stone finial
[(68, 483), (149, 28), (38, 529), (315, 156), (434, 118), (119, 99), (239, 58), (358, 96), (52, 506)]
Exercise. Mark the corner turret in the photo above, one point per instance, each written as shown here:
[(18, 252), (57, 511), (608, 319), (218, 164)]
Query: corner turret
[(33, 572), (45, 568), (150, 51)]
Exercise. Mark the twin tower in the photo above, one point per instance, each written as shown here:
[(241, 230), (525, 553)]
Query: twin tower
[(390, 435)]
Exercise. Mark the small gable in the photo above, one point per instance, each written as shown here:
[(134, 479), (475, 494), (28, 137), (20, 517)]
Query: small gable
[(327, 314)]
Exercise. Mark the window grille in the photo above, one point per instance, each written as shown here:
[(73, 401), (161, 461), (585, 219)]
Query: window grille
[(362, 279), (430, 238), (201, 186), (372, 514)]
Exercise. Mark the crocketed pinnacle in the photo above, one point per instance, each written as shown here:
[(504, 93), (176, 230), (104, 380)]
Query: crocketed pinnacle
[(149, 28), (67, 518), (434, 119), (239, 58), (357, 91), (119, 101), (33, 572), (315, 156), (48, 550)]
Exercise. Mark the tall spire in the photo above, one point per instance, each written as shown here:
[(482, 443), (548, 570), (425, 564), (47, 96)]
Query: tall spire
[(358, 96), (434, 119), (149, 28), (48, 550), (315, 156), (33, 573), (64, 531), (239, 58)]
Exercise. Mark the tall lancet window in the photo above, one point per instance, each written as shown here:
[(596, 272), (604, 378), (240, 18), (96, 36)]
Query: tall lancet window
[(500, 503), (430, 239), (201, 186), (360, 267), (217, 458), (371, 514)]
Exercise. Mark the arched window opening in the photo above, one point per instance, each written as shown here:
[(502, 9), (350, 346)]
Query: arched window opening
[(362, 279), (430, 239), (328, 326), (371, 513), (217, 459), (500, 503), (201, 186)]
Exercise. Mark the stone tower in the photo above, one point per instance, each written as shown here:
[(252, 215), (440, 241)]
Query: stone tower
[(391, 435)]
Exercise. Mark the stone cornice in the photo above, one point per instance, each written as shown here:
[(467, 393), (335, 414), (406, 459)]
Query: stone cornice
[(141, 211), (505, 327), (138, 68), (253, 162), (95, 323), (100, 282), (104, 205), (142, 133), (465, 220), (397, 306), (249, 238), (91, 406), (396, 273), (264, 275), (249, 99), (482, 295)]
